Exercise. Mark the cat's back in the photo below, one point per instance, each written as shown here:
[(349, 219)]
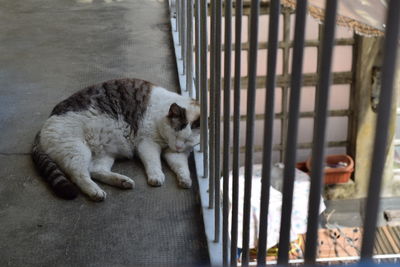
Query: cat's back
[(104, 116), (126, 98)]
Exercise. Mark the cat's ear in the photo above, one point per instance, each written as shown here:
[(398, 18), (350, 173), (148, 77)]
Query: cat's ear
[(177, 117), (176, 111)]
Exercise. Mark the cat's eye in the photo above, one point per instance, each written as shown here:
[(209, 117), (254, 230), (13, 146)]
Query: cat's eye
[(195, 124)]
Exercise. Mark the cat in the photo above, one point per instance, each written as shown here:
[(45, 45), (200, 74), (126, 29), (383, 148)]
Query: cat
[(89, 130)]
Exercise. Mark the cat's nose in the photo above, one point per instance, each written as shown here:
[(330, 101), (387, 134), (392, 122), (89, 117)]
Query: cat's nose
[(179, 148)]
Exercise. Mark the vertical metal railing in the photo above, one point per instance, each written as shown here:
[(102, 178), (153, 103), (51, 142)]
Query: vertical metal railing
[(204, 85), (268, 128), (197, 48), (217, 115), (183, 35), (211, 189), (226, 141), (390, 50), (251, 101), (209, 95), (318, 150), (178, 19), (189, 46), (236, 132), (291, 137)]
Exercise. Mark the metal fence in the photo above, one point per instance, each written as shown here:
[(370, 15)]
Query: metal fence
[(191, 20)]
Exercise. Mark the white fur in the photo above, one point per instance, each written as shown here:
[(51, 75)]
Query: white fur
[(84, 144)]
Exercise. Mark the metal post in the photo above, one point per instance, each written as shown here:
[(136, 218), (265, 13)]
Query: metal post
[(212, 106), (321, 112), (236, 131), (178, 14), (204, 85), (197, 49), (183, 34), (217, 135), (290, 152), (227, 100), (189, 47), (382, 125), (268, 128), (251, 96)]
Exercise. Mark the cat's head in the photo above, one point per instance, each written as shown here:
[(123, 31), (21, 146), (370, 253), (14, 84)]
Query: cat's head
[(182, 127)]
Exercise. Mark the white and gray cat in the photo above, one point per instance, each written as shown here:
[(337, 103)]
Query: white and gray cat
[(86, 132)]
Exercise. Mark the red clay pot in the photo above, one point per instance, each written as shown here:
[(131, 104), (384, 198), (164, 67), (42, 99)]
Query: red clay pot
[(336, 175)]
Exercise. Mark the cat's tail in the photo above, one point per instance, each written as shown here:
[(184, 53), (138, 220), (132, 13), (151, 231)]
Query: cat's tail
[(52, 173)]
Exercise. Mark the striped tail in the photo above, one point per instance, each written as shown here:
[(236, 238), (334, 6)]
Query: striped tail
[(52, 173)]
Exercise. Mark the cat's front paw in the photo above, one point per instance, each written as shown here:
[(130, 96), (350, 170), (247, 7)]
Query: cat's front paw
[(185, 183), (156, 179), (127, 184), (97, 195)]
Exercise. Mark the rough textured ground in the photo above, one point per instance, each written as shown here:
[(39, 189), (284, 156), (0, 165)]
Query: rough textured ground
[(49, 49)]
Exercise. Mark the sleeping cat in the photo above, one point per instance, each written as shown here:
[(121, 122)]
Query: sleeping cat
[(86, 132)]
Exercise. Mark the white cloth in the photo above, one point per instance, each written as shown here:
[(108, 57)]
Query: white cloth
[(299, 211)]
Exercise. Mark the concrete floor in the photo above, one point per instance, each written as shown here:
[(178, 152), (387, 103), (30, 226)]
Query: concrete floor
[(48, 50), (350, 212)]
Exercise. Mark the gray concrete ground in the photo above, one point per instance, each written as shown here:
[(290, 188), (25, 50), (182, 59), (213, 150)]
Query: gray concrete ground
[(350, 212), (48, 50)]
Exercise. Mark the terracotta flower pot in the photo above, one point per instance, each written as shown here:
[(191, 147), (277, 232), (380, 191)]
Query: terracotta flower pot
[(334, 171)]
